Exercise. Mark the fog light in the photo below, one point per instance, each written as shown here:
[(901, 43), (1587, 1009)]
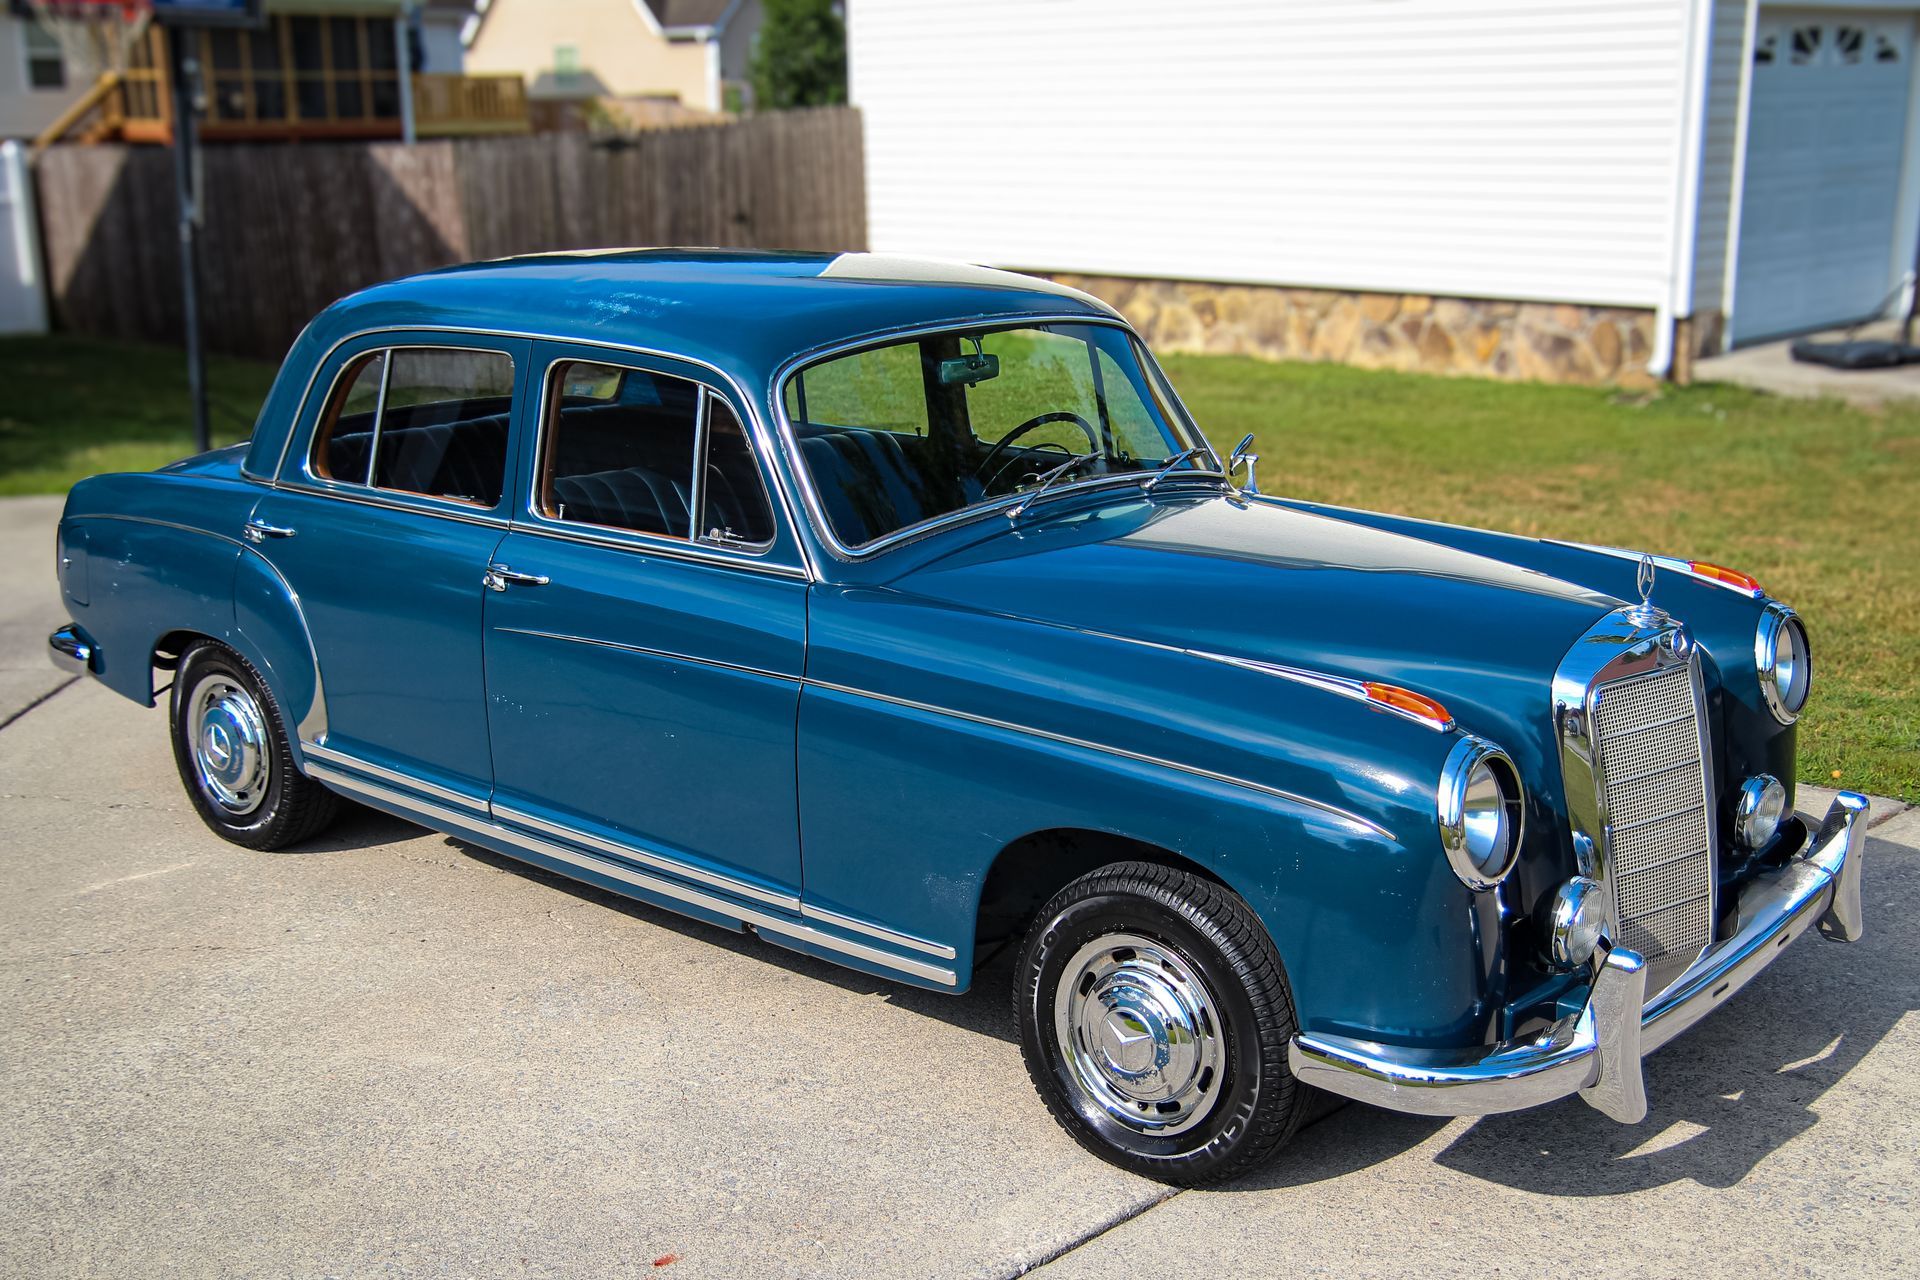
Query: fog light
[(1579, 921), (1762, 806)]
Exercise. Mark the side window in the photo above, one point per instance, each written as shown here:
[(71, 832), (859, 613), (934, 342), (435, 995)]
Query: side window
[(881, 389), (619, 449), (425, 420), (619, 452), (735, 502), (343, 447)]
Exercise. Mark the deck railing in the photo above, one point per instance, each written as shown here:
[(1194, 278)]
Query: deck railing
[(451, 105)]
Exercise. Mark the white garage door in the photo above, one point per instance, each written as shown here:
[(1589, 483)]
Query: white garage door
[(1825, 139)]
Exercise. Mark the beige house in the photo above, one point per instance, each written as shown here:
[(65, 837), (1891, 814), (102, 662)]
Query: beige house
[(685, 52)]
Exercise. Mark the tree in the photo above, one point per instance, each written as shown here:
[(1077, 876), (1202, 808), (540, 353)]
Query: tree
[(800, 59)]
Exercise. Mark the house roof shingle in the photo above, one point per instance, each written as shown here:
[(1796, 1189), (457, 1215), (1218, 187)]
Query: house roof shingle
[(688, 13)]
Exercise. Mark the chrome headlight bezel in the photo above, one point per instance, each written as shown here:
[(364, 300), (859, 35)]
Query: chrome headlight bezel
[(1482, 813), (1783, 662)]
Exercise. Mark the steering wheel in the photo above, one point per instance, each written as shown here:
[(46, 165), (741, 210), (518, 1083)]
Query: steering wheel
[(1038, 420)]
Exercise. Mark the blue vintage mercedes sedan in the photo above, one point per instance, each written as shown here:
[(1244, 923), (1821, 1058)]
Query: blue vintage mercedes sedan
[(899, 613)]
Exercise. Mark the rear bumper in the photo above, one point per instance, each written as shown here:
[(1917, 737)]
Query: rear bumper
[(72, 650), (1596, 1053)]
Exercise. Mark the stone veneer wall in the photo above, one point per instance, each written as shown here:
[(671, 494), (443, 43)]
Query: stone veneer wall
[(1534, 341)]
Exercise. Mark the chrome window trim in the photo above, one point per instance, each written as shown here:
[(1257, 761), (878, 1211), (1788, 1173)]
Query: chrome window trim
[(756, 424), (612, 535), (809, 492), (418, 503), (780, 927), (1611, 650), (665, 549), (440, 505)]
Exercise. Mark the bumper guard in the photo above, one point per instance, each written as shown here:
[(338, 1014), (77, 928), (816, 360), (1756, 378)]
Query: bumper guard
[(71, 650), (1596, 1053)]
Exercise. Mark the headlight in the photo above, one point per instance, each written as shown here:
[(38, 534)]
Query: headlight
[(1784, 661), (1480, 816)]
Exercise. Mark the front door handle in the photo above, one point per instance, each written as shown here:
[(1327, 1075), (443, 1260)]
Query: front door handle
[(499, 576), (259, 530)]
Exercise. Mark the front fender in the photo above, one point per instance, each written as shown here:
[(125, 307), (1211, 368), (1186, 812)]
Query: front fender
[(932, 738)]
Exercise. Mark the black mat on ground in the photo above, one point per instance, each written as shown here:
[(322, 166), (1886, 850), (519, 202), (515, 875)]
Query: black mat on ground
[(1855, 355)]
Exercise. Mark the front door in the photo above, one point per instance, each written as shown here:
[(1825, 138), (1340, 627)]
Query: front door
[(389, 509), (645, 632)]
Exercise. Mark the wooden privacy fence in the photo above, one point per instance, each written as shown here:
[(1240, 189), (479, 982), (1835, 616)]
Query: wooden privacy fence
[(288, 229)]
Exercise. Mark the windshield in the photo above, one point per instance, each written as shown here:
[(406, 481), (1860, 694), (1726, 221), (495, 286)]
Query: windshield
[(898, 434)]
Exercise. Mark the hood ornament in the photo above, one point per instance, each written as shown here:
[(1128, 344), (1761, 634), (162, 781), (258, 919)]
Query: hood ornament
[(1646, 613)]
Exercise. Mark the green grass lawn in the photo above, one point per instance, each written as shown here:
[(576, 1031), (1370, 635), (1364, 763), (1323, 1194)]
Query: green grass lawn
[(73, 407), (1819, 501)]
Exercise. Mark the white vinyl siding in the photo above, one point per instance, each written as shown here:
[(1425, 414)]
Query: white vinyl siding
[(1495, 148), (1726, 66)]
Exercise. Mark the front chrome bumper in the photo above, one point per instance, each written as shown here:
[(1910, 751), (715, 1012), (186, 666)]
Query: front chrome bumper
[(1596, 1053)]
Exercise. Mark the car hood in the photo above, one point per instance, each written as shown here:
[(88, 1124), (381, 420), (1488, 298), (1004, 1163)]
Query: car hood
[(1260, 581)]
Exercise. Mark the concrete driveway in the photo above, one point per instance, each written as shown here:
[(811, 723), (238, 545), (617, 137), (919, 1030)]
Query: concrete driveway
[(389, 1053)]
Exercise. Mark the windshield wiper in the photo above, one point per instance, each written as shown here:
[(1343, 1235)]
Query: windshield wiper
[(1166, 468), (1019, 508)]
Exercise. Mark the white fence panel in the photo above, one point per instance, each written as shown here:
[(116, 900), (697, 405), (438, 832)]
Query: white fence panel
[(23, 302)]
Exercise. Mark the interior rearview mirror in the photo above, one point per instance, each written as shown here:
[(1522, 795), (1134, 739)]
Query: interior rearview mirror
[(967, 370)]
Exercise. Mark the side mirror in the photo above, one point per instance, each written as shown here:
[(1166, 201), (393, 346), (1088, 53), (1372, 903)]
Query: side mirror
[(1243, 452)]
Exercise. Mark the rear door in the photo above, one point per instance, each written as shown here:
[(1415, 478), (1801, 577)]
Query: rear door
[(645, 632), (390, 504)]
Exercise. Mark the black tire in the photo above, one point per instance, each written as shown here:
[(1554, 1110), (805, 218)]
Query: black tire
[(278, 805), (1194, 929)]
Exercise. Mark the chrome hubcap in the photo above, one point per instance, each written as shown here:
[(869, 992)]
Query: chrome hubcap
[(229, 737), (1141, 1034)]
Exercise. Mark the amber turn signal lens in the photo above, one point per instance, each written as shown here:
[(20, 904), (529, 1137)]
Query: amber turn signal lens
[(1720, 573), (1406, 700)]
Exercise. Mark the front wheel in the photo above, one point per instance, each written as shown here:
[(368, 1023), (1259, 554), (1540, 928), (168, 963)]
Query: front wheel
[(1154, 1019), (231, 747)]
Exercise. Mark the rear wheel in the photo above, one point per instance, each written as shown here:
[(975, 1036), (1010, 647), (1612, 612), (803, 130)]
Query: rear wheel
[(230, 744), (1154, 1018)]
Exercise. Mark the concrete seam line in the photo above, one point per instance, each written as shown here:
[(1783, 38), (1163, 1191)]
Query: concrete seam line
[(62, 687), (1119, 1219)]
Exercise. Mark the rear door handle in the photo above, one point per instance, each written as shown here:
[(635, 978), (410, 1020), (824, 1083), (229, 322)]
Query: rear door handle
[(259, 530), (499, 576)]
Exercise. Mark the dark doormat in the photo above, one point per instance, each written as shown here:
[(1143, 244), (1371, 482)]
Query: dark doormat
[(1855, 355)]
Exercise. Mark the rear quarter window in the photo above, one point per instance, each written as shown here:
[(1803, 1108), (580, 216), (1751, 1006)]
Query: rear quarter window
[(431, 421)]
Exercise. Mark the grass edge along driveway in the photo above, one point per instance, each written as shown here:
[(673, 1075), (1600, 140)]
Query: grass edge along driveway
[(1818, 500)]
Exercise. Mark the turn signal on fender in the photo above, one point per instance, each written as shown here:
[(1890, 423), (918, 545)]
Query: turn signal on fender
[(1407, 702), (1720, 573)]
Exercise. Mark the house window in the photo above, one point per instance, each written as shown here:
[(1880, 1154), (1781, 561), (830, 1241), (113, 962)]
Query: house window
[(566, 63), (310, 69), (46, 65)]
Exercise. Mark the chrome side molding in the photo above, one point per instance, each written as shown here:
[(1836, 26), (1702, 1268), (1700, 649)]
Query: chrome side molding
[(668, 893)]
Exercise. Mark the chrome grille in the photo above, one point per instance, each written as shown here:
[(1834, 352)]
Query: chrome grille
[(1659, 857)]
